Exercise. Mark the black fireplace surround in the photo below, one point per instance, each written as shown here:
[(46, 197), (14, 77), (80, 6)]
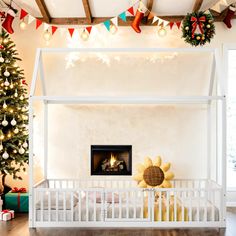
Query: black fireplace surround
[(111, 160)]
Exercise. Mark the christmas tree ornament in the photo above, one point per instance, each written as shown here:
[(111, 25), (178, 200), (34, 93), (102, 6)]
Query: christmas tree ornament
[(198, 28), (6, 83), (5, 155), (14, 151), (84, 35), (21, 97), (4, 105), (1, 58), (21, 150), (137, 20), (9, 135), (4, 122), (25, 144), (13, 122), (229, 16), (7, 23), (162, 32), (16, 131), (11, 85), (15, 94), (6, 73)]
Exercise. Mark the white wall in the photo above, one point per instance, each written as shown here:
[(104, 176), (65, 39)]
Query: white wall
[(27, 41)]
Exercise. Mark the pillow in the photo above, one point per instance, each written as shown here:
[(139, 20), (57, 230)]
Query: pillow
[(98, 197)]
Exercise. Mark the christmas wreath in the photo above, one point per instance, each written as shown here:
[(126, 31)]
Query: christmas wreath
[(198, 28)]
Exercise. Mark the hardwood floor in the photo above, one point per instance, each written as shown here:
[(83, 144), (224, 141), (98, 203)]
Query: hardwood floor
[(19, 227)]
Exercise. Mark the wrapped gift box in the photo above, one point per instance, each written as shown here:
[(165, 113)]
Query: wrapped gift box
[(6, 215), (19, 202)]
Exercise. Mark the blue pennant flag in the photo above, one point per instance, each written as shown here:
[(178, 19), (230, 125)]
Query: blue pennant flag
[(107, 23), (123, 16)]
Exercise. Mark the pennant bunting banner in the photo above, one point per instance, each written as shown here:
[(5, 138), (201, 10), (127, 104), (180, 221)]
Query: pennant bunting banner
[(131, 11), (123, 16), (71, 31), (107, 24), (115, 21), (150, 16), (46, 26), (38, 23), (54, 29), (178, 23), (171, 24), (23, 14), (155, 18), (30, 19), (89, 28)]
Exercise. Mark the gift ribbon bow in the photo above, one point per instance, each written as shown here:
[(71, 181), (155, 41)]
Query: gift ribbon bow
[(7, 211), (197, 22), (18, 190)]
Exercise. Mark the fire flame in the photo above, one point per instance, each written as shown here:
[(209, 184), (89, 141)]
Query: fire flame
[(112, 160)]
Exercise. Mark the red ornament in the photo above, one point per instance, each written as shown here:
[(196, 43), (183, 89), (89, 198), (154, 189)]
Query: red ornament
[(1, 46), (24, 82)]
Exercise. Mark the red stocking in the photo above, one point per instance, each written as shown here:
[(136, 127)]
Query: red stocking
[(136, 22), (229, 16), (7, 23)]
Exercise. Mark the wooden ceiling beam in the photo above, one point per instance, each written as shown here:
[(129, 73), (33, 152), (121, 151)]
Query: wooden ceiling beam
[(87, 11), (44, 11), (129, 19), (197, 5)]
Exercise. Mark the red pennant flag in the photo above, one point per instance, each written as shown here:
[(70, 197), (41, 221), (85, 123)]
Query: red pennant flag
[(89, 28), (178, 23), (38, 23), (54, 28), (171, 25), (23, 14), (71, 31), (131, 11)]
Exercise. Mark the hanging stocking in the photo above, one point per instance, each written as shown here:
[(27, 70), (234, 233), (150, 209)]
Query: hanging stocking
[(7, 23), (229, 16), (137, 19)]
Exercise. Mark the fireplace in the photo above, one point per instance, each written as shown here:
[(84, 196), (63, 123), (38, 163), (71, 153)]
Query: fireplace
[(111, 160)]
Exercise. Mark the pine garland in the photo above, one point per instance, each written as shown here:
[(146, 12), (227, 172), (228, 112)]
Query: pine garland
[(203, 21)]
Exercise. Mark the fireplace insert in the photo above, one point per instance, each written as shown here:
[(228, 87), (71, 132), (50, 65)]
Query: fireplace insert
[(111, 160)]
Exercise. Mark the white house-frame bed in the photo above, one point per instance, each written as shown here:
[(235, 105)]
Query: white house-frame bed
[(119, 203)]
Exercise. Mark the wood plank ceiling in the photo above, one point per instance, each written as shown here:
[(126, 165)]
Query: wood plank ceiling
[(90, 20)]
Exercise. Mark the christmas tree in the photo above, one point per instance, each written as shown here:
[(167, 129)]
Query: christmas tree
[(13, 111)]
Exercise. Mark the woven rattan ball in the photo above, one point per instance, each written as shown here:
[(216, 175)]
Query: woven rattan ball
[(153, 176)]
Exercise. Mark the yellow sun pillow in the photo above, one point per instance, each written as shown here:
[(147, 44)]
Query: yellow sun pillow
[(154, 174)]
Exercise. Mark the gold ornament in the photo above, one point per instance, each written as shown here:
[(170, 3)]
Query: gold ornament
[(186, 28), (198, 37)]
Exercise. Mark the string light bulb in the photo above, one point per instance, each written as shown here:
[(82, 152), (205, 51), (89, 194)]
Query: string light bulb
[(22, 25), (113, 29), (162, 32), (4, 105), (84, 35), (47, 35)]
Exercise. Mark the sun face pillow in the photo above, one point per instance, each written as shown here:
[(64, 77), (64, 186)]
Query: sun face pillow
[(154, 174)]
